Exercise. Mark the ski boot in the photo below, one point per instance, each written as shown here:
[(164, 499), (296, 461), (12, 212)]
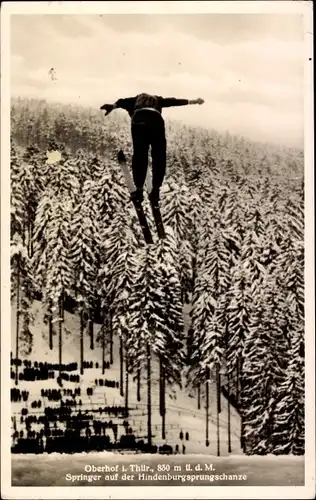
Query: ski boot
[(137, 196), (154, 197)]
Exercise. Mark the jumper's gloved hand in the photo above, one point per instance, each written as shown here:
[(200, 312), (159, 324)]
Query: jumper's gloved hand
[(196, 101), (107, 108)]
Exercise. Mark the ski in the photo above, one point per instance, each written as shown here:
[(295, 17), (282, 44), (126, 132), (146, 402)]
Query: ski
[(143, 222), (158, 220), (137, 204), (155, 208)]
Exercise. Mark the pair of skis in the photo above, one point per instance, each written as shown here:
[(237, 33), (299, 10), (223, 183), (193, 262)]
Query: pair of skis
[(138, 205)]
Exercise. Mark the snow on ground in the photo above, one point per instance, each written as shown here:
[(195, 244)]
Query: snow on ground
[(234, 470), (182, 412)]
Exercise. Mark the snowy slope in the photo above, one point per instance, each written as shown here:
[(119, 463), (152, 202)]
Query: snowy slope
[(182, 412)]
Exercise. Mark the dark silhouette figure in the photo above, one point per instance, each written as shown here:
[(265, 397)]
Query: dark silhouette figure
[(148, 130)]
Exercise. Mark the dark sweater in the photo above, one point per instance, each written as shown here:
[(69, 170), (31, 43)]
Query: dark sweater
[(133, 104)]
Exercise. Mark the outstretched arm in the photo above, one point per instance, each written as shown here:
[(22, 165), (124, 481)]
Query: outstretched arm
[(127, 104), (167, 102), (107, 108)]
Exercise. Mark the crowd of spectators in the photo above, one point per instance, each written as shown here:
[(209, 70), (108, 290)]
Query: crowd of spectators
[(61, 420)]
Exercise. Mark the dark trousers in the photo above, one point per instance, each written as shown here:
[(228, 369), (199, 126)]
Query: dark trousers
[(148, 129)]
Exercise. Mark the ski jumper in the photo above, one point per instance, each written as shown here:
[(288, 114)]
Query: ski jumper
[(148, 129)]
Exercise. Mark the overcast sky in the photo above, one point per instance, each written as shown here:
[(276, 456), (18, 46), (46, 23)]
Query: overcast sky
[(248, 68)]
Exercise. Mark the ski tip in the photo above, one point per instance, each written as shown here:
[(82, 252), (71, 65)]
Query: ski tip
[(121, 158)]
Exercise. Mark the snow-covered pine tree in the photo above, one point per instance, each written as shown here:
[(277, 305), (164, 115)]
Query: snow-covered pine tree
[(83, 248), (264, 364), (22, 217), (22, 291), (176, 212), (202, 306), (288, 436), (121, 286), (289, 419), (58, 267), (143, 309), (209, 299), (153, 314), (110, 194), (171, 350), (232, 310), (120, 230), (120, 289), (295, 215), (132, 309), (95, 167), (82, 166), (196, 210), (169, 307), (26, 188), (176, 209), (238, 317), (17, 200), (43, 219), (238, 293), (252, 248), (116, 242), (51, 264)]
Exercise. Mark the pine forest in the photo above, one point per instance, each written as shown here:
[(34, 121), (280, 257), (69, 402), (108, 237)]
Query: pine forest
[(218, 303)]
